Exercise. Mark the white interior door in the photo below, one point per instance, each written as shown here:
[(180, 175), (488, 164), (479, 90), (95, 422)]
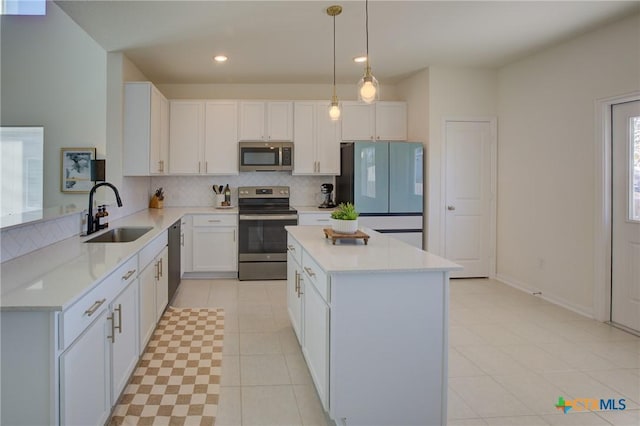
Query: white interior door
[(625, 250), (469, 196)]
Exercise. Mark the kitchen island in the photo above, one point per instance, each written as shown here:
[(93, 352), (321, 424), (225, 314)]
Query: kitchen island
[(372, 323)]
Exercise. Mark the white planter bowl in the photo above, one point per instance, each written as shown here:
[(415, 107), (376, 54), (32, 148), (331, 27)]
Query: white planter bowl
[(344, 226)]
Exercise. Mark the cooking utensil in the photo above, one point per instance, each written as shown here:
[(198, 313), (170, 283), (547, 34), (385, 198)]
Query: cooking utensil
[(215, 189)]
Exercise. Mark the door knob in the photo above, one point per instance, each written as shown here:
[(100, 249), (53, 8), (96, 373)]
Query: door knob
[(451, 208)]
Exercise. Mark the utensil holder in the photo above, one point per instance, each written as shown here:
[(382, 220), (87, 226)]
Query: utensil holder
[(219, 199), (156, 203)]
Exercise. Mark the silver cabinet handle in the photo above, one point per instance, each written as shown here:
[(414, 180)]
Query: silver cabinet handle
[(309, 271), (128, 274), (119, 326), (113, 328), (206, 167), (214, 220), (182, 240), (198, 167), (322, 220), (160, 268), (234, 235), (451, 208), (157, 268), (92, 310)]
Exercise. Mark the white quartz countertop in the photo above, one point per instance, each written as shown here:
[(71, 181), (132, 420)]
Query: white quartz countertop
[(55, 276), (381, 254)]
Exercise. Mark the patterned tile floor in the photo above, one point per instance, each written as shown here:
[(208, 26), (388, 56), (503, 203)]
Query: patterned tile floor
[(177, 381)]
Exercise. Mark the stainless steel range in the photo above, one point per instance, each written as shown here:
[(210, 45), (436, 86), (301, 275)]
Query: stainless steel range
[(262, 248)]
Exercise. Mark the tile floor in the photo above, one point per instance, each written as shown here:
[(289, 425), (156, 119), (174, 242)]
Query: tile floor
[(511, 355)]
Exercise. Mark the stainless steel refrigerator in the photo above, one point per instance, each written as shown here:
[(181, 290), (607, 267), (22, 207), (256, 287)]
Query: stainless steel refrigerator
[(384, 180)]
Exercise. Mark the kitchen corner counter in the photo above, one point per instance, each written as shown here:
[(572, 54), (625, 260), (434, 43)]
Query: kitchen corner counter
[(381, 254), (54, 277)]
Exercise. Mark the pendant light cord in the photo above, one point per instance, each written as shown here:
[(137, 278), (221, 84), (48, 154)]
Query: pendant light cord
[(366, 14), (334, 54)]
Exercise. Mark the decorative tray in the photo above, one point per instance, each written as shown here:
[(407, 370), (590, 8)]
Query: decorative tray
[(330, 233)]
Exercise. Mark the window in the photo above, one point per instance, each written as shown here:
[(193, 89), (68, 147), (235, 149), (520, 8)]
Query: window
[(23, 7)]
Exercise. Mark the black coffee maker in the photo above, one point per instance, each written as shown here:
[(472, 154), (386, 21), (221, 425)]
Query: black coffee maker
[(327, 192)]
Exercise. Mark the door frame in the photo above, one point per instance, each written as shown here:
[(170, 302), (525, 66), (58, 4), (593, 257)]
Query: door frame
[(493, 124), (603, 204)]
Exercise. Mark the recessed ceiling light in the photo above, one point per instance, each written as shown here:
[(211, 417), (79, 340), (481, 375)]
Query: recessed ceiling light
[(220, 58), (360, 59)]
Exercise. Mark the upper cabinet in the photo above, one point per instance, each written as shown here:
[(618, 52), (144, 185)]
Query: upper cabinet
[(204, 137), (186, 137), (379, 121), (146, 130), (266, 121), (317, 139)]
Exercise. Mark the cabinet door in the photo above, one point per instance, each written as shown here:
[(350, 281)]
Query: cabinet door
[(358, 121), (186, 134), (391, 121), (294, 297), (137, 130), (252, 121), (124, 350), (214, 248), (280, 121), (316, 341), (221, 138), (85, 378), (162, 283), (304, 136), (327, 141), (147, 303), (158, 139)]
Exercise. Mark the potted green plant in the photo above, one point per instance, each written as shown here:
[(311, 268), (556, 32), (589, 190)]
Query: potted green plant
[(344, 219)]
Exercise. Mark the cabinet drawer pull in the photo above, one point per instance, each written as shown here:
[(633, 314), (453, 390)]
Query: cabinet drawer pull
[(182, 240), (128, 274), (157, 267), (160, 268), (309, 271), (322, 220), (214, 220), (119, 326), (92, 310)]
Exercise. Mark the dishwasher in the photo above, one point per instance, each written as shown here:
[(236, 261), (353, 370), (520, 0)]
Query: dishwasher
[(174, 258)]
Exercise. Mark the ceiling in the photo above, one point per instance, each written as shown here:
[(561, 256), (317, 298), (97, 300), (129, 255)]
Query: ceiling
[(291, 41)]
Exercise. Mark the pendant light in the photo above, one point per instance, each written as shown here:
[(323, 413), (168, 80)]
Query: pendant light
[(368, 90), (334, 107)]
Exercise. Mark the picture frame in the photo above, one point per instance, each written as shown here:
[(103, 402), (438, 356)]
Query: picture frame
[(75, 170)]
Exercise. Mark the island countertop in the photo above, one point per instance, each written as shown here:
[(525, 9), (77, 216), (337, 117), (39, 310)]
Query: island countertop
[(381, 254)]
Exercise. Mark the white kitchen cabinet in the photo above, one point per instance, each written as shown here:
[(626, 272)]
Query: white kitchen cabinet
[(186, 137), (221, 138), (124, 338), (95, 366), (386, 121), (213, 243), (295, 293), (316, 138), (146, 130), (154, 286), (322, 219), (85, 378), (204, 137), (266, 121)]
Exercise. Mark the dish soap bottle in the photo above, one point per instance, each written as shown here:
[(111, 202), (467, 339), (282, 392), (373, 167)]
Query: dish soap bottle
[(227, 195), (105, 213)]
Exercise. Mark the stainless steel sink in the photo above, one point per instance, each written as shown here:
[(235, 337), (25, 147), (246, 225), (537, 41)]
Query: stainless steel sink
[(121, 235)]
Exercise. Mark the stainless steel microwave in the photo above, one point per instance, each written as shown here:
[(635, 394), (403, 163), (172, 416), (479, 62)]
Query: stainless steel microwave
[(265, 156)]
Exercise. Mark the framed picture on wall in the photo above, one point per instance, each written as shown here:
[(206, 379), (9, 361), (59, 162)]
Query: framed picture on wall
[(75, 169)]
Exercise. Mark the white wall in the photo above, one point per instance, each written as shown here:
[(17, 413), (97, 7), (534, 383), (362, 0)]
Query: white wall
[(54, 74), (453, 92), (546, 193)]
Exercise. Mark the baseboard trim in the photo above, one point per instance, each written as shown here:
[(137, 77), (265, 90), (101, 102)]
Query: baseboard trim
[(522, 286)]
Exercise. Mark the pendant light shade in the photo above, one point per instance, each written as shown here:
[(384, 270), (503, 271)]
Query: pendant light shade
[(368, 89), (334, 107)]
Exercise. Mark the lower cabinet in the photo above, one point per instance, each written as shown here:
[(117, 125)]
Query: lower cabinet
[(154, 294), (314, 218), (212, 243), (122, 326), (295, 292), (85, 377)]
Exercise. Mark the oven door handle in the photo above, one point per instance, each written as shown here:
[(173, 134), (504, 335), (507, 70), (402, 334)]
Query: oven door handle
[(268, 217)]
